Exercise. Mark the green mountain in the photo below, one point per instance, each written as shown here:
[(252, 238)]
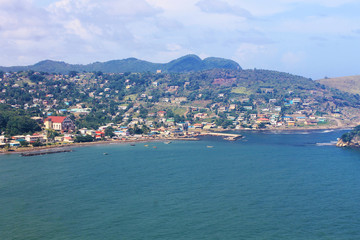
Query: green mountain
[(188, 63)]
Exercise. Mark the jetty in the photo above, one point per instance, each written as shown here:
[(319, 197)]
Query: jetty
[(29, 154), (227, 136)]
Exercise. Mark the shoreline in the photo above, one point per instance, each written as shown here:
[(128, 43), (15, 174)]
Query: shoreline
[(201, 133), (84, 144)]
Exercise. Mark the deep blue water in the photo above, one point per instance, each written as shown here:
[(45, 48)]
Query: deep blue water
[(268, 186)]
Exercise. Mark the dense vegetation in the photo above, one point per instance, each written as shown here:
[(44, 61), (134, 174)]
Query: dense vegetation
[(16, 121), (227, 97), (187, 63), (347, 137)]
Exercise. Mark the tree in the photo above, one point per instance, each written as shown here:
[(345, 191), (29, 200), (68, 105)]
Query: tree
[(145, 129), (3, 123), (37, 144), (21, 125), (109, 131), (51, 134), (86, 138), (262, 125), (73, 73), (169, 113), (24, 143), (143, 112), (135, 130)]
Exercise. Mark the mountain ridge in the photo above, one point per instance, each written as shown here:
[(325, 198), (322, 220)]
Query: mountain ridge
[(187, 63)]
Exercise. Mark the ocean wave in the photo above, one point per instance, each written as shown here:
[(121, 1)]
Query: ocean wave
[(327, 131), (332, 143)]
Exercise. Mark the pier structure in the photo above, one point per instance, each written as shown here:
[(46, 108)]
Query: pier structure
[(227, 136)]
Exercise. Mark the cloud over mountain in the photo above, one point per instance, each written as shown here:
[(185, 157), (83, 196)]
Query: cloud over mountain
[(255, 33)]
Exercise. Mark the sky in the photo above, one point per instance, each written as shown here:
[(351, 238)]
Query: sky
[(311, 38)]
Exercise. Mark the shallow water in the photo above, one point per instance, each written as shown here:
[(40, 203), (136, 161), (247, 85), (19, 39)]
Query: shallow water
[(266, 186)]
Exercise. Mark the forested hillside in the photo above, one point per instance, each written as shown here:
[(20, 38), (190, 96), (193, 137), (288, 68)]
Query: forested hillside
[(188, 63)]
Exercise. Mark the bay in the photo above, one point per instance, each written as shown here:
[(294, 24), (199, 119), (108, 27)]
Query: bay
[(288, 185)]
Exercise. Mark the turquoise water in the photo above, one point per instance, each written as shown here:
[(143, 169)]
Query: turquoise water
[(270, 186)]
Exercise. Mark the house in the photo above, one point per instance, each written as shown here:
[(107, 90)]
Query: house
[(200, 115), (99, 135), (277, 109), (161, 113), (68, 139), (290, 123), (58, 123), (179, 100), (222, 109), (262, 120), (3, 139), (15, 144), (123, 132), (232, 107), (35, 138), (266, 90), (272, 100), (18, 137), (59, 139), (122, 107), (296, 100)]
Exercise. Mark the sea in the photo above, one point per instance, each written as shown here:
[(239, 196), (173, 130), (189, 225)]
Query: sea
[(268, 185)]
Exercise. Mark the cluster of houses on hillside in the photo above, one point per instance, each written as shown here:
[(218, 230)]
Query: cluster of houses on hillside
[(194, 112)]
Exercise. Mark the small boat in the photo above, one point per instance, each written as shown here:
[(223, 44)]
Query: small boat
[(146, 145), (209, 146), (105, 153), (132, 144), (154, 147), (167, 142)]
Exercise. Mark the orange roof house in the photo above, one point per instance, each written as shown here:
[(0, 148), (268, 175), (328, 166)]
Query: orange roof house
[(58, 123), (262, 120)]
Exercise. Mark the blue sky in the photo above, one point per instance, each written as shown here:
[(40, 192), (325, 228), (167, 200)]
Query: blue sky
[(312, 38)]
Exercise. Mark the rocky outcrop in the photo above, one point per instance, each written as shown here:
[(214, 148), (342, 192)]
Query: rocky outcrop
[(355, 142)]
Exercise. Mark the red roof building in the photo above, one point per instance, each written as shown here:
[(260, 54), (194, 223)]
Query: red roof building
[(58, 123)]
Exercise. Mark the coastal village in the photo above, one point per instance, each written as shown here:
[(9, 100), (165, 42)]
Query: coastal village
[(87, 107)]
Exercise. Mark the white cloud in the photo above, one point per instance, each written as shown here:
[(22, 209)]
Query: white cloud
[(255, 33)]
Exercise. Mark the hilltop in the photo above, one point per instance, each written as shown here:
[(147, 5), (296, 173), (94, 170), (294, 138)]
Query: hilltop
[(350, 84), (188, 63)]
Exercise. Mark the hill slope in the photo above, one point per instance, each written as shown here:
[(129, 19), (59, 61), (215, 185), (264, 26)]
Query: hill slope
[(188, 63), (350, 84)]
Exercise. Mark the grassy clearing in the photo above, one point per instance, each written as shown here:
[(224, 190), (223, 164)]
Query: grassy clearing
[(132, 97), (349, 84), (179, 111), (240, 90)]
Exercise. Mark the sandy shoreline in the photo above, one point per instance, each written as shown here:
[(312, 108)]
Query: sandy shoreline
[(72, 145), (83, 144)]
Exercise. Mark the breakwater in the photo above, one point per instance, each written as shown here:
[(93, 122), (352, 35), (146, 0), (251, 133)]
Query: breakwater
[(52, 151)]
